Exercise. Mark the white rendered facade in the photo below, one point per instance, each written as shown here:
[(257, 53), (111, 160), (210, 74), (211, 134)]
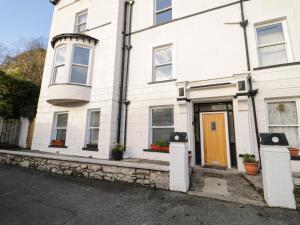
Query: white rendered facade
[(207, 59)]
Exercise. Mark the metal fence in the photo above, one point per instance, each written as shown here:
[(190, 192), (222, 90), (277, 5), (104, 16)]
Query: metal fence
[(9, 133)]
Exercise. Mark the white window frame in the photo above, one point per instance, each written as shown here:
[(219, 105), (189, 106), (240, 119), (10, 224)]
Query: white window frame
[(80, 65), (286, 41), (55, 127), (70, 47), (156, 12), (89, 128), (159, 127), (296, 100), (77, 24), (154, 66), (61, 65)]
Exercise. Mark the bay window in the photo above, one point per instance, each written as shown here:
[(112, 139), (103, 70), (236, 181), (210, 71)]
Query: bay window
[(284, 118), (59, 65), (162, 123), (162, 64), (80, 65), (272, 44), (72, 64)]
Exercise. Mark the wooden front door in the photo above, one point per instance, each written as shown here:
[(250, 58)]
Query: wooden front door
[(214, 139)]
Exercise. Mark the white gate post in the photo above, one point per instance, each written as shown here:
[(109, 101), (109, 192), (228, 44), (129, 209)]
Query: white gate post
[(179, 168), (276, 170)]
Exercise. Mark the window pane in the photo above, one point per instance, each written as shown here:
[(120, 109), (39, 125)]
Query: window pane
[(82, 18), (162, 4), (61, 134), (62, 120), (162, 56), (81, 56), (95, 119), (59, 74), (81, 28), (270, 34), (283, 113), (163, 73), (272, 55), (291, 133), (161, 133), (79, 74), (162, 117), (60, 56), (94, 135), (164, 17)]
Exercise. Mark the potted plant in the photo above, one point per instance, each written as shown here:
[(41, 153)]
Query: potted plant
[(58, 143), (160, 145), (117, 152), (250, 164), (294, 151)]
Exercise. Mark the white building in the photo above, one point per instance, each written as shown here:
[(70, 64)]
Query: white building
[(222, 71)]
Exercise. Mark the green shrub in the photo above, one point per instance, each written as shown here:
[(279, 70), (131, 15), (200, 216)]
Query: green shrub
[(162, 143)]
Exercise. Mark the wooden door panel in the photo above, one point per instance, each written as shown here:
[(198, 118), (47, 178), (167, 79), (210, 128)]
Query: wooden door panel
[(214, 138)]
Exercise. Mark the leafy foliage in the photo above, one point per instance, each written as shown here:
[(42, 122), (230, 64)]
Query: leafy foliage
[(249, 158), (161, 143), (17, 97), (119, 148)]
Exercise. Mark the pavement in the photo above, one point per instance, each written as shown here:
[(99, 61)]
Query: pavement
[(34, 198), (226, 185)]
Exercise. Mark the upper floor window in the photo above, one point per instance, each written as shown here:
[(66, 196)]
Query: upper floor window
[(272, 44), (162, 60), (72, 64), (59, 65), (81, 22), (163, 11), (80, 65)]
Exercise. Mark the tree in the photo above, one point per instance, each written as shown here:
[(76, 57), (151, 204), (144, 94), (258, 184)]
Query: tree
[(28, 62), (18, 98)]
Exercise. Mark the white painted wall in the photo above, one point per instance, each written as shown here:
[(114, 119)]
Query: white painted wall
[(23, 134), (206, 49)]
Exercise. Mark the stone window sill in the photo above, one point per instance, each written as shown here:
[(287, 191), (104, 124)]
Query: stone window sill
[(156, 151), (90, 149), (163, 81), (53, 146), (296, 158)]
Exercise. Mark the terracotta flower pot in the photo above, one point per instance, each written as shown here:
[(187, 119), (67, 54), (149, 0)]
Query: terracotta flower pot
[(158, 148), (251, 168), (57, 143), (294, 151)]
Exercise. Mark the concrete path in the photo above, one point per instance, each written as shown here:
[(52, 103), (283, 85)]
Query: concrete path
[(30, 197), (224, 185)]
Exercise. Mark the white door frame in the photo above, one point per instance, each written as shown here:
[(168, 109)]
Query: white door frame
[(227, 137)]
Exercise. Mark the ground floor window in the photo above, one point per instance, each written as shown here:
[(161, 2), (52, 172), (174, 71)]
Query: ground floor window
[(60, 126), (93, 127), (284, 118), (162, 123)]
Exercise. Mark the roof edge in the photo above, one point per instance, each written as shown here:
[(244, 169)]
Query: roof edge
[(54, 2)]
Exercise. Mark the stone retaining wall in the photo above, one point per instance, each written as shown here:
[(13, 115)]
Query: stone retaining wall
[(145, 177)]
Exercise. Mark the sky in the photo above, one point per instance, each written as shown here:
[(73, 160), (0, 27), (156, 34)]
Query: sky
[(24, 19)]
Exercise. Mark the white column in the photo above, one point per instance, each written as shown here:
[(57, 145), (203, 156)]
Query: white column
[(23, 132), (277, 177), (179, 168), (243, 128)]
